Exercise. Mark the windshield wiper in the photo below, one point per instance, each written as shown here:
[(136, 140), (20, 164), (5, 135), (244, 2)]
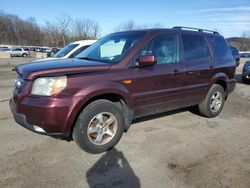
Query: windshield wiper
[(89, 58), (92, 59)]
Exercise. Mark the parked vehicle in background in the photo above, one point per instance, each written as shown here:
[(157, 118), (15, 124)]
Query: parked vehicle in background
[(19, 52), (94, 97), (245, 54), (236, 55), (4, 49), (54, 51), (73, 49), (246, 72)]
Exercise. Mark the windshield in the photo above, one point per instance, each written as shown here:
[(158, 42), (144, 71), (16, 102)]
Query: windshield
[(111, 48), (64, 51)]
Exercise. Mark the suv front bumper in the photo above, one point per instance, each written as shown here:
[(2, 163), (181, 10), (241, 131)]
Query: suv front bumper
[(53, 117)]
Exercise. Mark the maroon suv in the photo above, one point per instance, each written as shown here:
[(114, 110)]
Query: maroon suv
[(123, 76)]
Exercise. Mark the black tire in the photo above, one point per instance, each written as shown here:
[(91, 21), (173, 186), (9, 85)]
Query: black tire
[(204, 107), (24, 55), (80, 134)]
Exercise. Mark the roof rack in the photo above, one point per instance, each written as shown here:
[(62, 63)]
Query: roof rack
[(196, 29)]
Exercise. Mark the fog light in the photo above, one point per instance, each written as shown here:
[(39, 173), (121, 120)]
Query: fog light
[(38, 129)]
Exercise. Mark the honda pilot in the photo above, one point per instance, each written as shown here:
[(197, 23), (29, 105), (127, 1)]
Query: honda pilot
[(95, 97)]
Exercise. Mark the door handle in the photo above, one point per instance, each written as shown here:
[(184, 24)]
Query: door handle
[(194, 72)]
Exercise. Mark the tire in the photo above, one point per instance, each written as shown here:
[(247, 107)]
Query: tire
[(92, 129), (214, 102), (24, 55)]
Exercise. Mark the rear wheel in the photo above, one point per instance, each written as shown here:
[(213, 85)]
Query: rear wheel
[(99, 127), (214, 102), (24, 55)]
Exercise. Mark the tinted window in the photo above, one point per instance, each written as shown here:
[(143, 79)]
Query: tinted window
[(16, 49), (220, 48), (195, 48), (65, 50), (78, 51), (164, 47), (234, 51)]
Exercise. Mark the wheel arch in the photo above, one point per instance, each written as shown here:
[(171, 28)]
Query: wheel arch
[(222, 80), (118, 96)]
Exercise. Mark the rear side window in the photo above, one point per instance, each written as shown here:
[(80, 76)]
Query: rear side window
[(220, 48), (195, 48)]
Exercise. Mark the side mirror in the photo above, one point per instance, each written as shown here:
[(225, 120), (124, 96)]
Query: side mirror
[(146, 60)]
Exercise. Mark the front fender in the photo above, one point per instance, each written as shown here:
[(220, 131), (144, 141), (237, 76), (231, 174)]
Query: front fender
[(98, 89)]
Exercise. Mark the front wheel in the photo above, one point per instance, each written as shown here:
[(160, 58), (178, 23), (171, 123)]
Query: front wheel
[(214, 102), (99, 127)]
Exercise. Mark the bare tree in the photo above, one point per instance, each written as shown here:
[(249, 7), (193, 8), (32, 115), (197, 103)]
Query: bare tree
[(58, 32), (85, 29), (126, 26), (131, 25), (242, 43), (14, 30), (245, 43), (61, 26)]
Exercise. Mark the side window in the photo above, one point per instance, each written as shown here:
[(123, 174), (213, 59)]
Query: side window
[(220, 48), (195, 48), (164, 47)]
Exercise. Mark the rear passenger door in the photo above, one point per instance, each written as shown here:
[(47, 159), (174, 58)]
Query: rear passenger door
[(198, 67), (159, 88)]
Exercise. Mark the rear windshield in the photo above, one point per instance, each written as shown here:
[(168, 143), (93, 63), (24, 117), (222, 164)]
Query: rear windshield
[(220, 48), (65, 50)]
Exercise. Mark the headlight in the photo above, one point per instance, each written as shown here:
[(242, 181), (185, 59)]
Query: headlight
[(48, 86)]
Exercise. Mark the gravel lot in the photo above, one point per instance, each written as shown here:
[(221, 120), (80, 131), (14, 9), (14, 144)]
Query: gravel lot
[(175, 149)]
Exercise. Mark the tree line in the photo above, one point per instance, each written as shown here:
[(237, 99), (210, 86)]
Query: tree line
[(63, 30), (58, 32), (241, 43)]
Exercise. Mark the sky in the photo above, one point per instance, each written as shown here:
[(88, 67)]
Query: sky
[(230, 17)]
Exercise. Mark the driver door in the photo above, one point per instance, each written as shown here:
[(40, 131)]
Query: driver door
[(158, 88)]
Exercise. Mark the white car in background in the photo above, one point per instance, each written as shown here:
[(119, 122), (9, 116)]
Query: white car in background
[(19, 52), (73, 49)]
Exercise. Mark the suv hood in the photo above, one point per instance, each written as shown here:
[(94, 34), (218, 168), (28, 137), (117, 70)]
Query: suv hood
[(59, 67)]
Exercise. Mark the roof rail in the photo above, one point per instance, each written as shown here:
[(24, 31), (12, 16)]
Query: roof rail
[(196, 29)]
